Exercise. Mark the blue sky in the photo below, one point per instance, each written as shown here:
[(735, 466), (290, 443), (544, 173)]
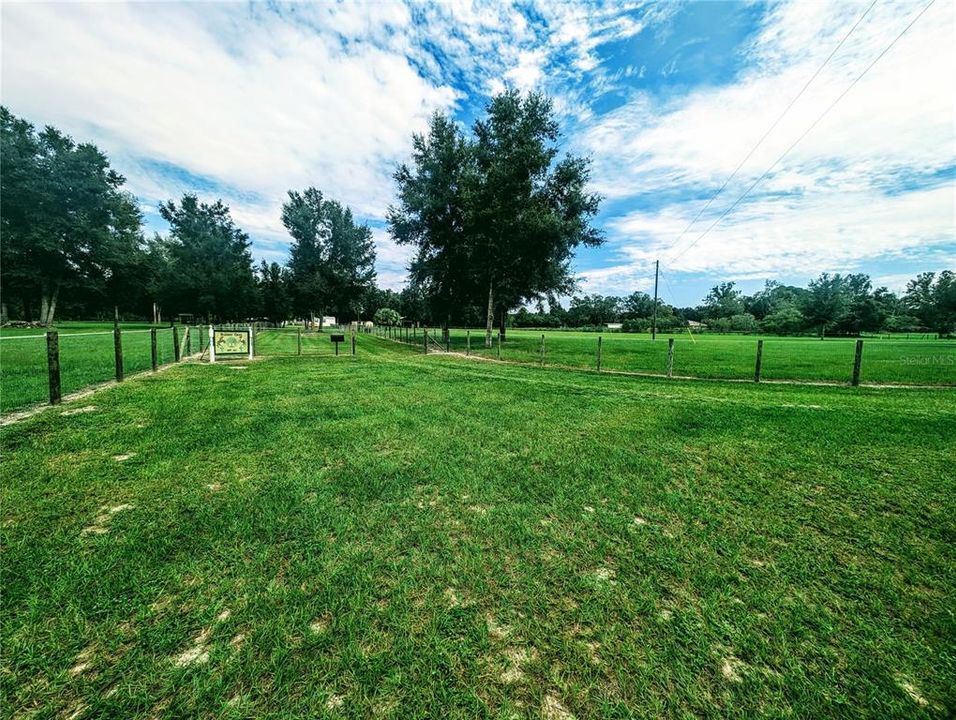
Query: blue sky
[(245, 101)]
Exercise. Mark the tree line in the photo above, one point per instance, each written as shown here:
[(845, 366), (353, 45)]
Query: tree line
[(73, 244), (829, 305), (493, 215)]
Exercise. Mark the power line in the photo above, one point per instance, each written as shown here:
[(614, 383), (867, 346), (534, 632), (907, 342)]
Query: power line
[(774, 125), (804, 134)]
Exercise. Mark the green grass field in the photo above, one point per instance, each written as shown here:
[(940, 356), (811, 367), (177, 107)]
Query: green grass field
[(86, 358), (395, 535), (899, 361)]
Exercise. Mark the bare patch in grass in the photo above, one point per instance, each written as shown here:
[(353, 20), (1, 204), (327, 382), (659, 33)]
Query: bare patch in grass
[(321, 624), (83, 662), (198, 654), (588, 509), (638, 520), (913, 692), (478, 509), (553, 709), (214, 487), (237, 641), (75, 712), (238, 367), (451, 598), (606, 575), (496, 630), (334, 702), (99, 522), (666, 615), (123, 457), (79, 410), (223, 616), (515, 660), (592, 650), (731, 668)]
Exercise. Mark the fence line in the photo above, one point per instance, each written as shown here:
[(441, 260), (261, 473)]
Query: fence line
[(845, 365)]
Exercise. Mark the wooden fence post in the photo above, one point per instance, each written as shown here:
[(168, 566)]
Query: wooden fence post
[(599, 354), (857, 362), (353, 343), (152, 349), (175, 343), (499, 344), (759, 361), (425, 341), (542, 350), (448, 341), (189, 342), (118, 353), (467, 342), (298, 340), (670, 357), (53, 365)]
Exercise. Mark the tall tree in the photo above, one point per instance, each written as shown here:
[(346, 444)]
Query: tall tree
[(210, 264), (431, 215), (723, 300), (273, 286), (825, 303), (64, 217), (528, 211), (932, 298), (332, 259)]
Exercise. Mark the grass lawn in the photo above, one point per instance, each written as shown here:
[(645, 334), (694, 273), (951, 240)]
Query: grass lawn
[(896, 360), (86, 358), (396, 535)]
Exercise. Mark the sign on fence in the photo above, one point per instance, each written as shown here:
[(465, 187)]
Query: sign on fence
[(230, 343)]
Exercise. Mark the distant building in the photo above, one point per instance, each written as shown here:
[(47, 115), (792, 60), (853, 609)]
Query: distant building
[(615, 326), (694, 325)]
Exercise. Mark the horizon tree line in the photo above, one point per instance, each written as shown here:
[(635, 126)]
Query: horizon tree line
[(494, 218)]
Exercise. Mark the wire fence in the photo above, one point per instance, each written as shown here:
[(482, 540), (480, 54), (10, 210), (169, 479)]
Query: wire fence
[(730, 357), (84, 359)]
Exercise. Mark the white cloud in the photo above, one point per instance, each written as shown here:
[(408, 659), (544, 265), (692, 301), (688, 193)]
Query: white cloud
[(825, 206), (251, 100)]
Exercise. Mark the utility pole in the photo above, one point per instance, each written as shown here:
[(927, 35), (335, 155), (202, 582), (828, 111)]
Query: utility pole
[(657, 268)]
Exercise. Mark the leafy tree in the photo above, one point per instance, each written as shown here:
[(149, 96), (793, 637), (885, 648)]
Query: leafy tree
[(784, 320), (431, 216), (332, 259), (529, 211), (65, 220), (495, 219), (210, 264), (273, 287), (637, 305), (723, 300), (826, 302), (387, 316), (932, 299)]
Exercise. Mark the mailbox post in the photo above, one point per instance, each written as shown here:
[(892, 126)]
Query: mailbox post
[(337, 339)]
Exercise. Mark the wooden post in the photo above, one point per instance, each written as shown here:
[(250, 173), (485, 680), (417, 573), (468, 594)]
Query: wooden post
[(542, 350), (53, 365), (298, 340), (499, 344), (152, 349), (759, 361), (212, 344), (252, 342), (468, 342), (425, 341), (189, 342), (118, 353), (857, 362), (599, 354), (447, 340), (670, 357), (353, 343), (175, 343)]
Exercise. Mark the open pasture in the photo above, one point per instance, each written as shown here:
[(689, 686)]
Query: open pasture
[(86, 358), (400, 535), (891, 361)]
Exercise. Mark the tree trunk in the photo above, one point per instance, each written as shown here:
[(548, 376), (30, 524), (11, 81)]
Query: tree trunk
[(504, 317), (44, 307), (490, 318), (3, 313), (444, 330)]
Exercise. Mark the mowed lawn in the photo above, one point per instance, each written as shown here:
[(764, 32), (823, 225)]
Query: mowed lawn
[(892, 361), (87, 357), (394, 535)]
